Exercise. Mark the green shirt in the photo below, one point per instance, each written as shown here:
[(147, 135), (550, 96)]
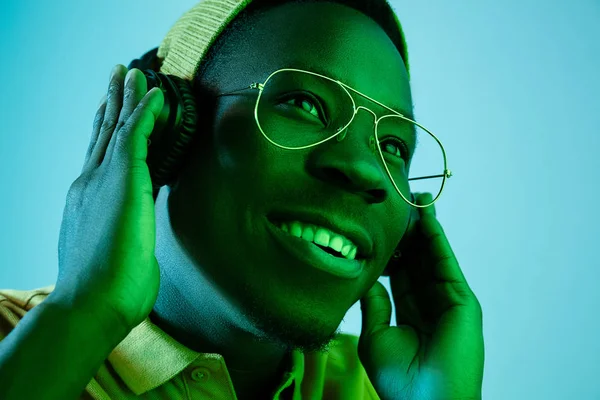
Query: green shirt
[(150, 364)]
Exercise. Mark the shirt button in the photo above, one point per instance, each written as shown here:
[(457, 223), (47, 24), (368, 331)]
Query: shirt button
[(200, 374)]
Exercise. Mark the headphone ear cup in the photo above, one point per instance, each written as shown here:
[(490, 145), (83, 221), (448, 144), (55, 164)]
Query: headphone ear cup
[(147, 61), (174, 129)]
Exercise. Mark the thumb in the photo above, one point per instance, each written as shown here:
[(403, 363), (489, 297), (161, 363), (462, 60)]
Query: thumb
[(376, 310)]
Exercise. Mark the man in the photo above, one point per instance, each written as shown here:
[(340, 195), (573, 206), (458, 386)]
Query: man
[(228, 287)]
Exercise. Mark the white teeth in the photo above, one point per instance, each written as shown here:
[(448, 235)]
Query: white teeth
[(346, 249), (321, 236), (308, 234), (336, 243)]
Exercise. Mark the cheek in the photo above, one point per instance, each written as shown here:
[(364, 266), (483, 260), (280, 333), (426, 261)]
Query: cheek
[(237, 141)]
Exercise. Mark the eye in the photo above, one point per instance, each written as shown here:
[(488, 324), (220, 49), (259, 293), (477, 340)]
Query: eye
[(308, 103), (402, 151)]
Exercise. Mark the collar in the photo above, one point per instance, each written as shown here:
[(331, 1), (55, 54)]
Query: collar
[(148, 357)]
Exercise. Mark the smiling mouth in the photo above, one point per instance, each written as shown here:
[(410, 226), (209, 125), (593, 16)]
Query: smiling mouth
[(325, 248), (316, 256), (331, 251)]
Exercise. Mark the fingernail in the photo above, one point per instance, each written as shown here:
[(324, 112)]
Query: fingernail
[(114, 70)]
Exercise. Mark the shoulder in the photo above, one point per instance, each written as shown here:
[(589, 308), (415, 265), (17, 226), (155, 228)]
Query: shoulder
[(14, 304)]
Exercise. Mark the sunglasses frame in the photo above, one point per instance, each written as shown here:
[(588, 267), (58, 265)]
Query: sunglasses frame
[(260, 86)]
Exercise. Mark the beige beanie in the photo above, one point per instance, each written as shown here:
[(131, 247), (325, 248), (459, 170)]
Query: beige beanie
[(191, 36)]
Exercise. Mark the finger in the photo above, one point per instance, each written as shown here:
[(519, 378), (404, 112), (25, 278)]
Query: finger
[(95, 132), (130, 143), (135, 88), (425, 198), (114, 103), (405, 300), (439, 259), (376, 309)]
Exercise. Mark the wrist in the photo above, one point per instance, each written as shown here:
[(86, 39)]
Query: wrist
[(91, 316)]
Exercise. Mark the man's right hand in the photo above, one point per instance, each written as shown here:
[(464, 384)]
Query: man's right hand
[(107, 237)]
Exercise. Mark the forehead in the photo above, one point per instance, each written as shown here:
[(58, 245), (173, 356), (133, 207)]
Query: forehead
[(327, 38)]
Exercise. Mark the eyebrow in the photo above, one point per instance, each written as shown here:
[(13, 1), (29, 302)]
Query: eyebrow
[(405, 112)]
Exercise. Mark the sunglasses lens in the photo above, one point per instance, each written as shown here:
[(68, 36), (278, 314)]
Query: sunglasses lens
[(298, 109), (413, 157)]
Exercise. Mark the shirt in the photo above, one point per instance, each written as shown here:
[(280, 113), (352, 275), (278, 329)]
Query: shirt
[(150, 364)]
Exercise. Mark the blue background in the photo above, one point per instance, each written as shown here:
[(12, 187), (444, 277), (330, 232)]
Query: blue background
[(512, 90)]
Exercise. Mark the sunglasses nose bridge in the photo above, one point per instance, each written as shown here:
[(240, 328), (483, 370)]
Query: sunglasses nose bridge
[(366, 109), (356, 109), (372, 134)]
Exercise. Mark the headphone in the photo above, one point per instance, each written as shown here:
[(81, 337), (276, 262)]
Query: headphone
[(175, 127)]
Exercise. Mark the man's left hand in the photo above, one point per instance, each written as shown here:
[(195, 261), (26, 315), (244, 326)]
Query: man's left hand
[(436, 350)]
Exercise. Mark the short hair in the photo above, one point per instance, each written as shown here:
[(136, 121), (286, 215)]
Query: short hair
[(378, 10)]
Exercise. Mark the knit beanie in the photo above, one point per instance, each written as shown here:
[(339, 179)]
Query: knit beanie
[(190, 38)]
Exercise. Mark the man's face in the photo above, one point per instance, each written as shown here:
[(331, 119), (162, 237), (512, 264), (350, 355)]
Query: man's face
[(235, 178)]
